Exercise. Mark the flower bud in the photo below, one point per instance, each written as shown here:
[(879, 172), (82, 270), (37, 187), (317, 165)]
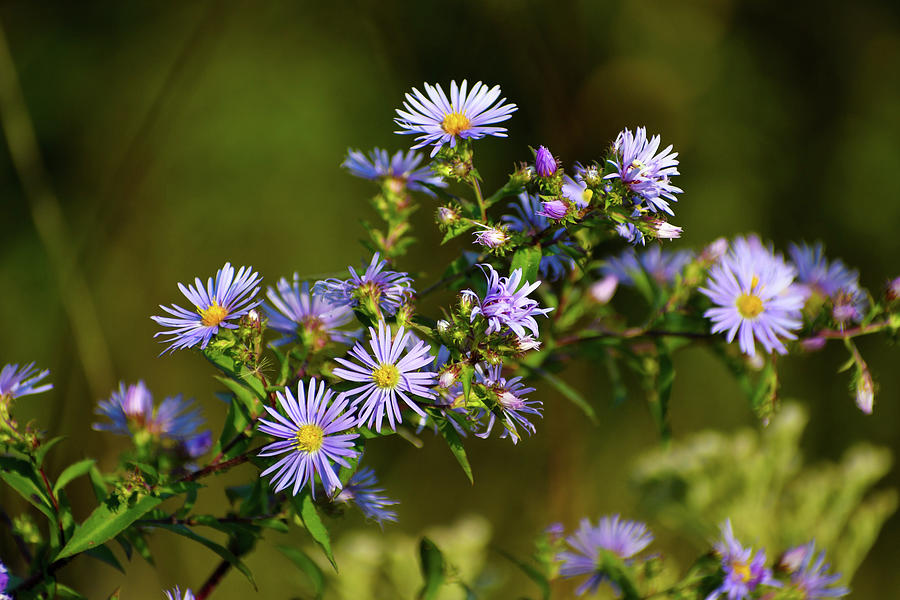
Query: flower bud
[(792, 560), (448, 376), (892, 293), (865, 392), (527, 343), (492, 237), (443, 325), (665, 230), (813, 344), (447, 215), (544, 163), (591, 175), (554, 209), (602, 291)]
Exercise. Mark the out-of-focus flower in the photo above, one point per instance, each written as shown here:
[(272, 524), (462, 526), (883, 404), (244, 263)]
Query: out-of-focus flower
[(809, 573), (362, 491), (714, 250), (402, 168), (816, 274), (16, 382), (661, 265), (506, 303), (386, 289), (492, 237), (294, 307), (622, 538), (466, 114), (754, 297), (743, 571), (602, 291), (512, 402), (311, 431), (893, 290), (386, 373), (4, 582), (849, 305), (218, 304), (130, 410), (576, 191), (544, 163), (645, 172)]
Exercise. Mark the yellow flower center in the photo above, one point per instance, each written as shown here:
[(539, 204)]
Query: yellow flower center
[(749, 305), (386, 376), (742, 570), (213, 315), (308, 438), (455, 123)]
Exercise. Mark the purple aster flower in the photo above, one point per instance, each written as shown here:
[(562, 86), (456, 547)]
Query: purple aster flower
[(310, 432), (810, 578), (511, 402), (131, 409), (386, 289), (754, 297), (362, 491), (294, 308), (743, 571), (576, 191), (630, 233), (645, 172), (492, 237), (387, 373), (216, 305), (622, 538), (660, 265), (817, 275), (465, 115), (176, 594), (401, 169), (506, 304), (15, 382), (554, 209), (544, 163), (530, 221)]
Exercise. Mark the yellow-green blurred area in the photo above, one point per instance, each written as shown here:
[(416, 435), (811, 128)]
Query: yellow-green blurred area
[(178, 136)]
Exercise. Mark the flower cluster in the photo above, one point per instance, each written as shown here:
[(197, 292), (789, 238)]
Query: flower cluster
[(644, 171)]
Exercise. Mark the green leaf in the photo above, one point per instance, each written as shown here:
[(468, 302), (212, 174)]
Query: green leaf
[(307, 512), (306, 564), (22, 476), (73, 471), (456, 446), (66, 593), (105, 523), (532, 573), (115, 594), (234, 370), (566, 390), (104, 554), (432, 563), (659, 405), (236, 422), (528, 259), (222, 551), (245, 395), (44, 448), (98, 483)]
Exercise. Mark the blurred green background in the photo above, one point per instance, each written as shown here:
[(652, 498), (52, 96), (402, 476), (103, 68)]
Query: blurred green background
[(177, 136)]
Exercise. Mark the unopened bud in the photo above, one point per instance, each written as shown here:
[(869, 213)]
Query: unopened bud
[(865, 392), (892, 293), (448, 376), (443, 325), (544, 163), (813, 344), (253, 316), (554, 209), (447, 215), (665, 230), (714, 251)]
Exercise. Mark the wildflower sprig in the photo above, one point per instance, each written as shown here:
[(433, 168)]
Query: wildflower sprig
[(563, 262)]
